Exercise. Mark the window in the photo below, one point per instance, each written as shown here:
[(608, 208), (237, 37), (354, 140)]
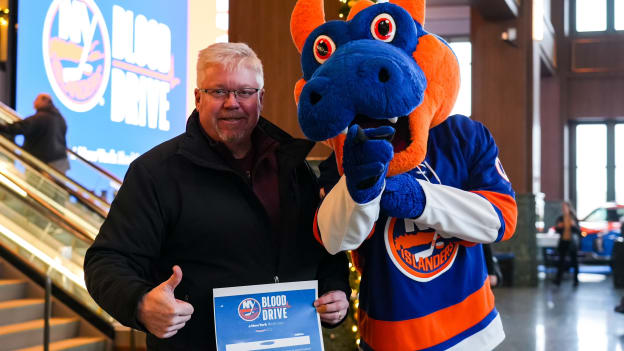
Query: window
[(591, 167), (597, 215), (463, 51), (591, 15), (611, 214), (599, 15), (619, 14), (599, 166)]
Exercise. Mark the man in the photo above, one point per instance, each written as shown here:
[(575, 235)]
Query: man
[(228, 203), (44, 133), (569, 231)]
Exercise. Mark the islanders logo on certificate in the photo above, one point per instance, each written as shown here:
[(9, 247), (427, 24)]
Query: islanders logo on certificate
[(268, 317)]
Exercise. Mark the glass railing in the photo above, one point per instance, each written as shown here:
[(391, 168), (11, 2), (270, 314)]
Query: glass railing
[(50, 240), (69, 198), (94, 180)]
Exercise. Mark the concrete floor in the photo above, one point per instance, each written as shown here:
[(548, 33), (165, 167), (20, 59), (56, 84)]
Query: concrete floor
[(564, 318)]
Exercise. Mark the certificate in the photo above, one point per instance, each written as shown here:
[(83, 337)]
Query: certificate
[(268, 317)]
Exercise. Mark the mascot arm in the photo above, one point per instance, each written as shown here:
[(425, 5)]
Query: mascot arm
[(457, 213), (342, 223), (486, 211)]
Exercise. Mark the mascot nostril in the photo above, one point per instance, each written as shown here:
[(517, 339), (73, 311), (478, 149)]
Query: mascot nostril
[(315, 97), (384, 75), (412, 192)]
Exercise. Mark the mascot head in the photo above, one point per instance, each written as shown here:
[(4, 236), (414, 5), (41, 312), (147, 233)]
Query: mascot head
[(380, 67)]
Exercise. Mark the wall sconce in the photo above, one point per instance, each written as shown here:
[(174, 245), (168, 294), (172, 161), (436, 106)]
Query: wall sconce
[(510, 36)]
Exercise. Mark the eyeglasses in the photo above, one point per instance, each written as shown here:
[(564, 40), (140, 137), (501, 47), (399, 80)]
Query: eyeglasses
[(239, 94)]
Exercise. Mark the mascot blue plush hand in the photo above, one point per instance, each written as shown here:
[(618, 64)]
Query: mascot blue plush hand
[(418, 191)]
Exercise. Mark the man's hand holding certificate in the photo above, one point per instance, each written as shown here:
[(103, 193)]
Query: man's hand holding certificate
[(273, 316)]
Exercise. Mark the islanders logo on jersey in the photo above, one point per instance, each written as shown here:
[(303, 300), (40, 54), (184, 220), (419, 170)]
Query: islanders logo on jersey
[(500, 170), (249, 309), (76, 53), (421, 255)]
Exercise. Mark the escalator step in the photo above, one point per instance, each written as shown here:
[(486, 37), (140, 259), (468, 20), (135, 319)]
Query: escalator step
[(27, 334), (11, 289), (20, 310), (74, 344)]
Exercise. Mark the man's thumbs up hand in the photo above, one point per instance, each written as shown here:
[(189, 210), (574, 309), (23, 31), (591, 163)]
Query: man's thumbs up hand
[(160, 312)]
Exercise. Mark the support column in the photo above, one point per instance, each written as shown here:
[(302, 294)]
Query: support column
[(506, 87)]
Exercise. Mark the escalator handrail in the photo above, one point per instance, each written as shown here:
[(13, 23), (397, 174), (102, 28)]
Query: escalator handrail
[(101, 170), (52, 213), (36, 164), (111, 176)]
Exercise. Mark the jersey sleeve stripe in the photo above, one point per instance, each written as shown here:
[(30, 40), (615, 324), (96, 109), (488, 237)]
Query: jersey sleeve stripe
[(505, 206)]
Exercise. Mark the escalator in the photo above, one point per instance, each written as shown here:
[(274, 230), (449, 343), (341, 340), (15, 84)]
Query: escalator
[(96, 184), (47, 222), (39, 242)]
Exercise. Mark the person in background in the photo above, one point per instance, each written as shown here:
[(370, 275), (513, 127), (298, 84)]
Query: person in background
[(44, 133), (230, 202), (568, 228)]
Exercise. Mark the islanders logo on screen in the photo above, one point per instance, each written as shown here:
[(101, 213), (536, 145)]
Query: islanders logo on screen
[(421, 255), (76, 53), (249, 309)]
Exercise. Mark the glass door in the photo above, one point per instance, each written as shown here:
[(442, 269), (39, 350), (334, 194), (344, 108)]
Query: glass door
[(591, 167)]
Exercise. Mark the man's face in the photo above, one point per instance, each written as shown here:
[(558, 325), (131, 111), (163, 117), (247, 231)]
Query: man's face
[(228, 120)]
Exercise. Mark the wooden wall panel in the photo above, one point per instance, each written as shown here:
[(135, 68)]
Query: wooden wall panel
[(596, 97), (603, 54), (552, 165), (265, 26), (501, 93)]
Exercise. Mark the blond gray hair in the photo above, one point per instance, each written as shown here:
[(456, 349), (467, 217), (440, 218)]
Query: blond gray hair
[(231, 56)]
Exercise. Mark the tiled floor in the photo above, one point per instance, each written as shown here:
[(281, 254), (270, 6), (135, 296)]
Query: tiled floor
[(564, 318)]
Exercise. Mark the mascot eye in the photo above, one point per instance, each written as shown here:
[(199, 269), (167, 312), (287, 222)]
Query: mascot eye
[(383, 28), (324, 47)]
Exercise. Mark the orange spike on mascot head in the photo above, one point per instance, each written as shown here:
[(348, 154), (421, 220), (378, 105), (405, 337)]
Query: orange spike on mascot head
[(378, 68)]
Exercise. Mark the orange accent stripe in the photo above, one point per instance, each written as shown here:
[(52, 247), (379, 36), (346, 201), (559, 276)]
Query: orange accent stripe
[(169, 77), (372, 231), (429, 330), (507, 205), (317, 233), (466, 243)]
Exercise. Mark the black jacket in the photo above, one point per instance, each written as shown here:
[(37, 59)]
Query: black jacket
[(181, 204), (44, 134)]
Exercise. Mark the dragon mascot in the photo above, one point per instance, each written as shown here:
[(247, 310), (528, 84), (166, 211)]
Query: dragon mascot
[(416, 192)]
